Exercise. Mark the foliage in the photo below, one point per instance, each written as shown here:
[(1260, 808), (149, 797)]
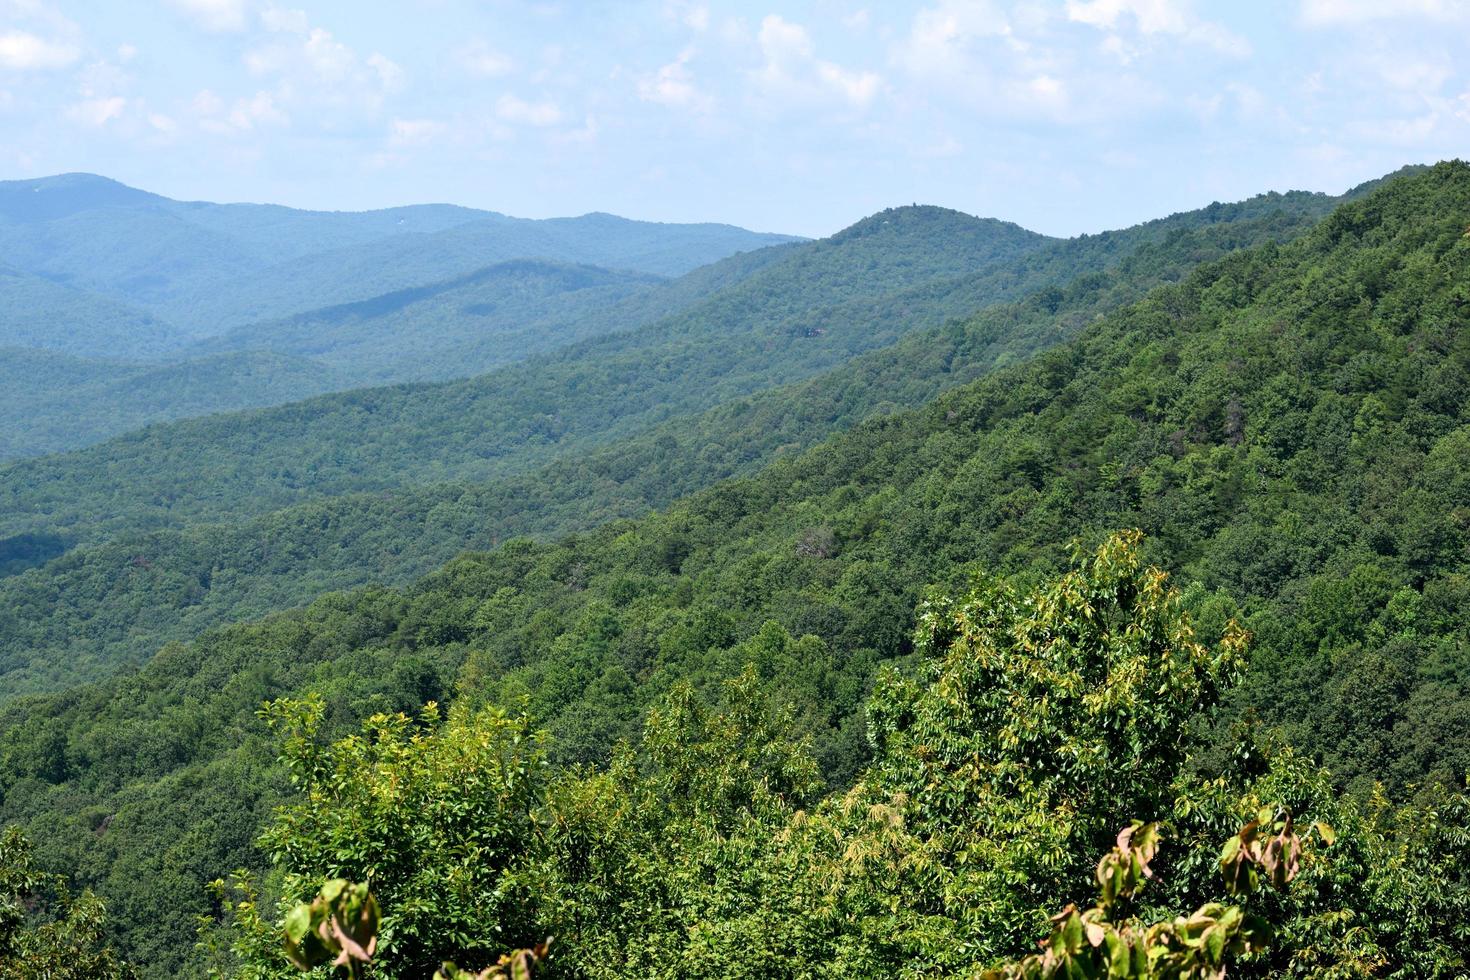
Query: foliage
[(433, 815), (45, 933), (703, 852), (79, 617), (338, 927), (1094, 944), (1288, 426), (765, 329)]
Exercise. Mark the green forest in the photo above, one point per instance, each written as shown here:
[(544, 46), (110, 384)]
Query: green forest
[(936, 599)]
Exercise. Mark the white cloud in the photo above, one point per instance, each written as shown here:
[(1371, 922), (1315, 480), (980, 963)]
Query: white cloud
[(162, 123), (857, 87), (97, 112), (515, 110), (673, 85), (694, 16), (1398, 132), (390, 76), (1327, 13), (1419, 75), (258, 110), (308, 65), (20, 51), (1149, 17), (586, 133), (206, 103), (330, 59), (214, 15), (317, 55), (943, 38), (479, 59), (243, 115), (1046, 88), (1024, 63), (414, 132), (283, 20), (792, 70)]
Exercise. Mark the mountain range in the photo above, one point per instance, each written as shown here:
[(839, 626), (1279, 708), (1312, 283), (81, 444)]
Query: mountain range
[(612, 486), (122, 280)]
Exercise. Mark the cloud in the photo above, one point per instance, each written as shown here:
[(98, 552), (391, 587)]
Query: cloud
[(102, 89), (414, 132), (329, 59), (97, 112), (1332, 13), (258, 110), (284, 21), (694, 16), (20, 51), (943, 37), (390, 76), (479, 59), (243, 115), (792, 70), (857, 87), (673, 85), (518, 111), (309, 64), (218, 16), (1150, 17)]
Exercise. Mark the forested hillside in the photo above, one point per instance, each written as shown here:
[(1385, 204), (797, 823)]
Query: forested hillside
[(127, 279), (54, 402), (1288, 425), (80, 617), (765, 329)]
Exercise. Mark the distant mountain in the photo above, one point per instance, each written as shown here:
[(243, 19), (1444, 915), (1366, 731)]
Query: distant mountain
[(783, 323), (1289, 424), (45, 315), (52, 402), (205, 574), (456, 328), (205, 267), (461, 326)]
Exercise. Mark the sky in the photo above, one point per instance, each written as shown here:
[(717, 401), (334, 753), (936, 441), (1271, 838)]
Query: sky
[(1067, 116)]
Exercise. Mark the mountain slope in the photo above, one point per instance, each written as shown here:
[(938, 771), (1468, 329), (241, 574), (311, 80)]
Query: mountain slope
[(767, 329), (1291, 424), (205, 267), (79, 618), (460, 327), (447, 329), (54, 402), (43, 315)]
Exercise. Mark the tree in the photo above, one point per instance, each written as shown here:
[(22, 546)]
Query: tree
[(45, 932)]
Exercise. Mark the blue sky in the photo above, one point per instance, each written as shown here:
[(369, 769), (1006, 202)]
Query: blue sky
[(1065, 116)]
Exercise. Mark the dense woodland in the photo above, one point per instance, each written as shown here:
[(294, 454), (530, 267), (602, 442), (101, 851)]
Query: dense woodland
[(839, 662), (145, 293), (77, 616)]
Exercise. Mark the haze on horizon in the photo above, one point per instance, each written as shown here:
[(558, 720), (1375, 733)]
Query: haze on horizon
[(1064, 117)]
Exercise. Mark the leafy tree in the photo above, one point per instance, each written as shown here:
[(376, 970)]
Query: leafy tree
[(434, 813), (46, 933)]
